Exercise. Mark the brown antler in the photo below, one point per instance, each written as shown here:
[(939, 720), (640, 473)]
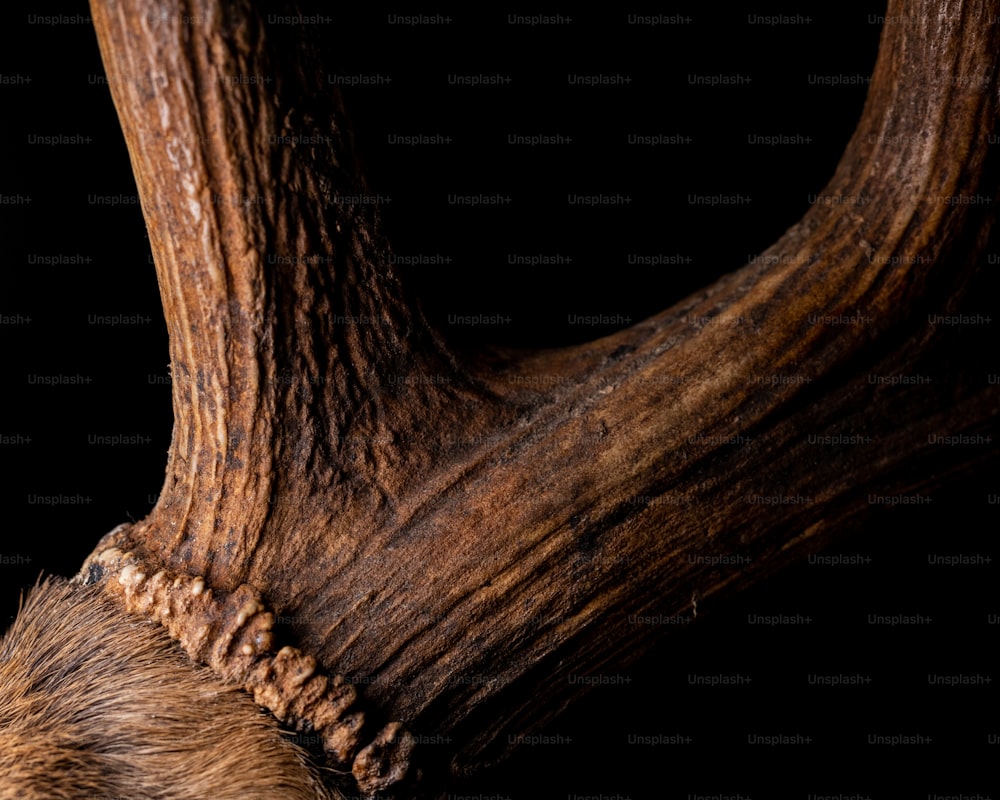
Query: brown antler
[(438, 524)]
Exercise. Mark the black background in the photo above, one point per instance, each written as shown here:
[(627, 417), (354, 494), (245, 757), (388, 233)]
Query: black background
[(53, 84)]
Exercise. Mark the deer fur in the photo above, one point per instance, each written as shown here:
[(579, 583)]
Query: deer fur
[(97, 705)]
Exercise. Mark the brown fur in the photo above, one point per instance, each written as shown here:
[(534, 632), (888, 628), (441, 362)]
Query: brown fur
[(94, 704)]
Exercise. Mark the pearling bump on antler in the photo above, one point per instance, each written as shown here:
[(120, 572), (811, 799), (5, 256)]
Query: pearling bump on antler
[(231, 632)]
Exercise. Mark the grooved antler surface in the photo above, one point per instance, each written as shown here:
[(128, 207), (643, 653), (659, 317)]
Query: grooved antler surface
[(319, 462)]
